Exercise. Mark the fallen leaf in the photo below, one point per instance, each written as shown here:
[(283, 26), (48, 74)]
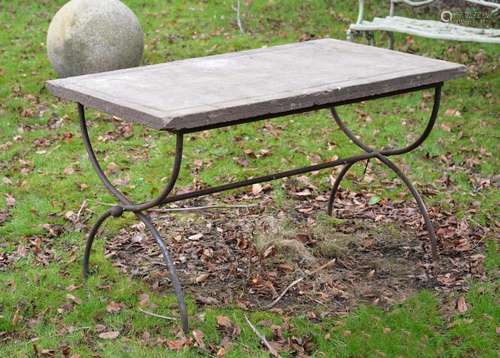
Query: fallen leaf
[(99, 328), (69, 171), (120, 182), (198, 163), (114, 307), (221, 352), (65, 350), (265, 152), (112, 167), (198, 337), (450, 112), (11, 201), (195, 237), (461, 305), (47, 353), (445, 127), (109, 335), (143, 299), (73, 299), (224, 322), (177, 345), (242, 162), (70, 215), (201, 277), (257, 189), (250, 153), (206, 300), (303, 193), (16, 317), (6, 181), (137, 238), (270, 250), (72, 288)]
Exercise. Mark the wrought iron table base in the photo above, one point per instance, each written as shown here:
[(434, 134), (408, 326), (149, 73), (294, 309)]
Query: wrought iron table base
[(139, 209)]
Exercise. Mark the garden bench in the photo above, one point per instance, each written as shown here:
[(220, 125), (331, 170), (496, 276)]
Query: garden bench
[(219, 91), (425, 28)]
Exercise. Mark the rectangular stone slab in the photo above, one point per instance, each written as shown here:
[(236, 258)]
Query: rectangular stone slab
[(218, 90)]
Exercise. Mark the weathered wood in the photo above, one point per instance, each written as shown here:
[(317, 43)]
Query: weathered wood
[(220, 89)]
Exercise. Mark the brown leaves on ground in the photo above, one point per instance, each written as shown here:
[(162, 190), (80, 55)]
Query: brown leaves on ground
[(382, 251), (4, 215), (179, 344), (225, 325), (70, 303), (38, 246), (10, 202)]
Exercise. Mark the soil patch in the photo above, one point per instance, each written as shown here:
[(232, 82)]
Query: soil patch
[(248, 256)]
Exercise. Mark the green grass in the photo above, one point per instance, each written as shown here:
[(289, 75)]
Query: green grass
[(182, 29)]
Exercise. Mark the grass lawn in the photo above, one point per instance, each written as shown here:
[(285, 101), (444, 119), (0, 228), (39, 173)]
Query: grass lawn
[(45, 310)]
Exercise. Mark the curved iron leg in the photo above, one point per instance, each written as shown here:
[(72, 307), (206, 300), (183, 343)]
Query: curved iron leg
[(420, 202), (418, 199), (127, 205), (166, 257), (382, 156), (90, 241), (336, 185), (171, 268)]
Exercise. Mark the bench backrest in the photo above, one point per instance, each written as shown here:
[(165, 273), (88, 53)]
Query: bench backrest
[(417, 3)]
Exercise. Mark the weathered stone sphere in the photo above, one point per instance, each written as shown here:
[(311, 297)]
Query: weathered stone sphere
[(89, 36)]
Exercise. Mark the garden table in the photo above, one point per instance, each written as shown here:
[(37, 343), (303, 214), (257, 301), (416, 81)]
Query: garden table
[(217, 91)]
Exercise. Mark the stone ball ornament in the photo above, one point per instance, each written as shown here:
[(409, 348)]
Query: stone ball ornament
[(90, 36)]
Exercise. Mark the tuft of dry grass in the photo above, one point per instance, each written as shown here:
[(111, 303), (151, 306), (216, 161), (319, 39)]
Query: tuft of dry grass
[(282, 235)]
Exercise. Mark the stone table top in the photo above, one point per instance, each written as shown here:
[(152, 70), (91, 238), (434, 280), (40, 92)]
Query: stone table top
[(222, 89)]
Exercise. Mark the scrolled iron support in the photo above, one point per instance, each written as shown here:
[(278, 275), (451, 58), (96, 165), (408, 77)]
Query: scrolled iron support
[(126, 205), (137, 209), (90, 241), (336, 185), (382, 155)]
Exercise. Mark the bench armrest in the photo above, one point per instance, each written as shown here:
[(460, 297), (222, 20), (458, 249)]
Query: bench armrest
[(414, 3), (494, 5), (361, 10)]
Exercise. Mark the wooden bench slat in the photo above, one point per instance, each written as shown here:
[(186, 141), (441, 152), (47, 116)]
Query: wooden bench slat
[(220, 89)]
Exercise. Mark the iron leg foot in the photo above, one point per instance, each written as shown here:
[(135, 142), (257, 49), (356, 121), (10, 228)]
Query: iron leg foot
[(166, 257), (90, 241), (336, 185), (420, 203), (171, 268)]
